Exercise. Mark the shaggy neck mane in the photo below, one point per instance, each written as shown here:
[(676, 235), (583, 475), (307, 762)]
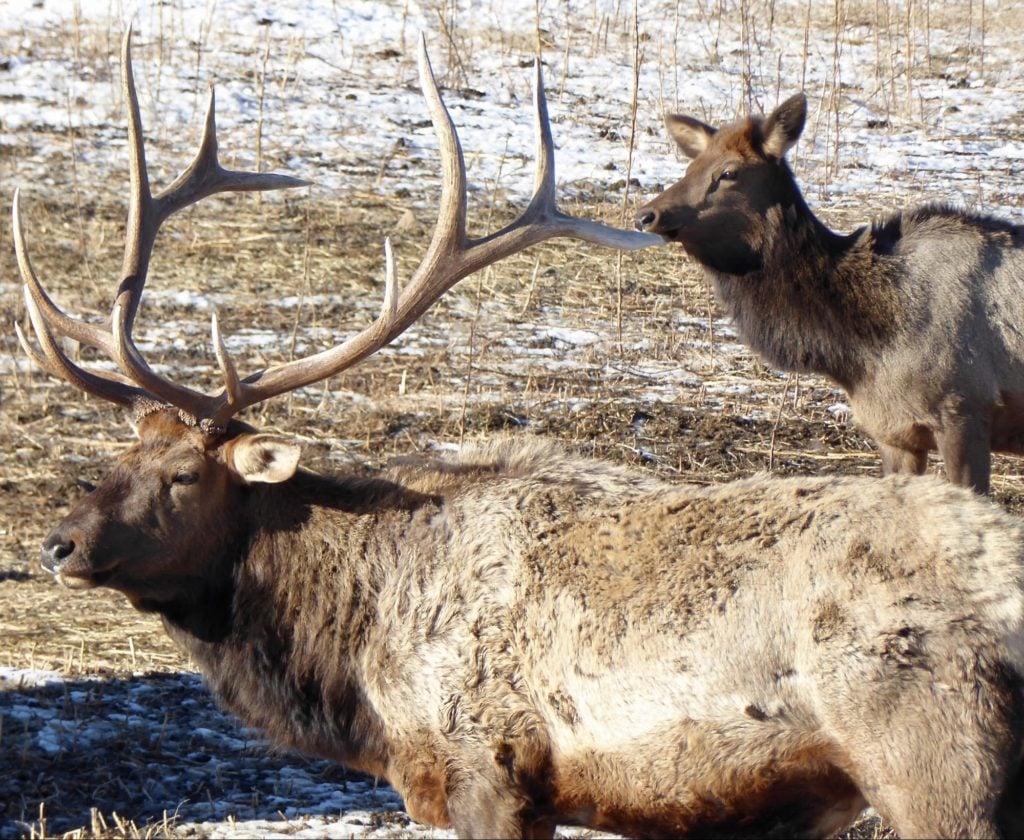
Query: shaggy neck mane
[(821, 302), (297, 610)]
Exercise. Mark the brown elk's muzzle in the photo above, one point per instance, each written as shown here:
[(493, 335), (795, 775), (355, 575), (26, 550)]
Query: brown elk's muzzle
[(58, 557), (670, 223), (65, 554), (672, 214)]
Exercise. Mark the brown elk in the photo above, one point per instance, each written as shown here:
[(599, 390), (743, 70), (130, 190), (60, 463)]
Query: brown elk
[(518, 638), (917, 317)]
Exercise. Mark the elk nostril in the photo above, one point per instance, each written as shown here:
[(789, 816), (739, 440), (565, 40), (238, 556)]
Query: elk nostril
[(56, 551), (63, 550), (645, 221)]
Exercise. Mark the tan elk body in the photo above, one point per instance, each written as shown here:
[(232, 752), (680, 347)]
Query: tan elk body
[(517, 638), (918, 317)]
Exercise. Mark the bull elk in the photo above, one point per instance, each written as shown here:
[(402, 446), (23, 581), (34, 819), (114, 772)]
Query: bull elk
[(917, 317), (518, 638)]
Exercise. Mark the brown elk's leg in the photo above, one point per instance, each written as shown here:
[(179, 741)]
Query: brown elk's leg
[(965, 446), (483, 806), (898, 460), (947, 761)]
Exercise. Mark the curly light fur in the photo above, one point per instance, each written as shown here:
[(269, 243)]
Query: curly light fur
[(518, 638)]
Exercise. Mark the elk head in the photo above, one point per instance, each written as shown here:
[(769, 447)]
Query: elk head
[(737, 174), (149, 528), (168, 508)]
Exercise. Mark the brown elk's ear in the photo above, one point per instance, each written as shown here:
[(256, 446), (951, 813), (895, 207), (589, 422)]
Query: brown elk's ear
[(691, 136), (784, 125), (259, 458)]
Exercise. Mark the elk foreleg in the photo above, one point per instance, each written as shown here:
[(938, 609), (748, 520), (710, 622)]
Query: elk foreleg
[(946, 761), (896, 459)]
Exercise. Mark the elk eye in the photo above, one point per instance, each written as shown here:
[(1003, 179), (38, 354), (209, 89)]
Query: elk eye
[(186, 478), (728, 175)]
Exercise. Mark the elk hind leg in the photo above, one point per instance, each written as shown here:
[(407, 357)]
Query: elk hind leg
[(965, 446)]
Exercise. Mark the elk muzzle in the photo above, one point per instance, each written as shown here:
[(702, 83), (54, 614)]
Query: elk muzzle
[(64, 555), (670, 222)]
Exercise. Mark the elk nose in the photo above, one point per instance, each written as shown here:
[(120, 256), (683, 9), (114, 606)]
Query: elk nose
[(56, 550), (646, 220)]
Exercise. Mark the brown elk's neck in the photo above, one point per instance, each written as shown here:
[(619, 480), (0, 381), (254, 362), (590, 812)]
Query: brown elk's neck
[(297, 615), (821, 301)]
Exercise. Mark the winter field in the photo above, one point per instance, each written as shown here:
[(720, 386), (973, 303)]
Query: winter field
[(104, 728)]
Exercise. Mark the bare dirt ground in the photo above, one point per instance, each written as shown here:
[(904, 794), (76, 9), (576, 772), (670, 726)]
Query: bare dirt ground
[(625, 358)]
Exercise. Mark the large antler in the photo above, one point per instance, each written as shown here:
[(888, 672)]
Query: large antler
[(451, 256)]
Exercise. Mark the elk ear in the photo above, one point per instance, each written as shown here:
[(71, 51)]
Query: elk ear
[(262, 458), (784, 125), (691, 136)]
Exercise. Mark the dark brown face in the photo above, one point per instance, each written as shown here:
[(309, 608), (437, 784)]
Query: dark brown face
[(142, 529), (156, 524), (717, 212)]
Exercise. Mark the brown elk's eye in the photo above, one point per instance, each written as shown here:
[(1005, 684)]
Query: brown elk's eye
[(728, 175), (186, 478)]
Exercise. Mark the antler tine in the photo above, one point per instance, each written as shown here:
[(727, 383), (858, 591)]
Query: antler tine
[(203, 177), (543, 211), (57, 320), (56, 362), (450, 231), (544, 176), (442, 266), (232, 385), (389, 310), (38, 358), (289, 376)]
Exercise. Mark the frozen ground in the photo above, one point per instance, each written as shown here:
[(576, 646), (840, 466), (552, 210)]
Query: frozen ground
[(195, 766), (327, 91), (335, 87)]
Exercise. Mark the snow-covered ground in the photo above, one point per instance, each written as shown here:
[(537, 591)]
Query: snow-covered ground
[(190, 763), (333, 88)]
